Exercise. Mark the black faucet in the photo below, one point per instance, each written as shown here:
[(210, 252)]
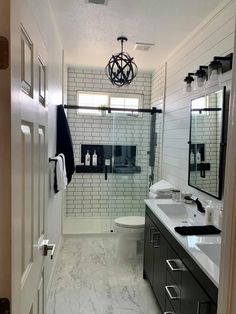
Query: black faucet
[(200, 207)]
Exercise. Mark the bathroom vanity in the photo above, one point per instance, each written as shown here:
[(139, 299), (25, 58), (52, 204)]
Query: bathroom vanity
[(182, 271)]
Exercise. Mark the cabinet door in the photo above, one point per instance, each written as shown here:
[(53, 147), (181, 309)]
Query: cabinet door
[(159, 271), (148, 249), (193, 298)]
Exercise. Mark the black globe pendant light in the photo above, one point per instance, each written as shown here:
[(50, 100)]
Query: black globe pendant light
[(121, 69)]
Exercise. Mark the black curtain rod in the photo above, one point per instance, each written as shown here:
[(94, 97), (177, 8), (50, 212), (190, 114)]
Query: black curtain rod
[(152, 110)]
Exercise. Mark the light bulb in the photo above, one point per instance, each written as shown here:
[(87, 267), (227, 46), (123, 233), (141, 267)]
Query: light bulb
[(189, 88), (214, 75), (200, 82)]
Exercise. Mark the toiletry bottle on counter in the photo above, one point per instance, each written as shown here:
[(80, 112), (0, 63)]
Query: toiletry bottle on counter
[(95, 158), (209, 213), (87, 159), (192, 158), (198, 157), (220, 219)]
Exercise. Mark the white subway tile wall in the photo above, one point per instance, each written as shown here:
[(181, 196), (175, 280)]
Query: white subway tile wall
[(89, 195)]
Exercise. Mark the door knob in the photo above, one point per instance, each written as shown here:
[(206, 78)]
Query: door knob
[(48, 247)]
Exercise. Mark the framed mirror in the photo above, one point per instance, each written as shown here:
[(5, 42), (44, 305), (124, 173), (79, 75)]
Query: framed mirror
[(207, 142)]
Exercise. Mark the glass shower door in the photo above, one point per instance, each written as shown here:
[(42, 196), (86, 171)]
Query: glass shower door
[(129, 180)]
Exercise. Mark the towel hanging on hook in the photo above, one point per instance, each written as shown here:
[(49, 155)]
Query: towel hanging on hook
[(64, 142)]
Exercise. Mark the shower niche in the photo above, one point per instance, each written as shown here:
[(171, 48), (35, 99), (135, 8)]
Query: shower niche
[(115, 158)]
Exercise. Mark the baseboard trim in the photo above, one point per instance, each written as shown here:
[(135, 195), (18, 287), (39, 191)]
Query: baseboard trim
[(48, 289)]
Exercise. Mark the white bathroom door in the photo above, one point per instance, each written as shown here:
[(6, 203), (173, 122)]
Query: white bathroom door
[(29, 160)]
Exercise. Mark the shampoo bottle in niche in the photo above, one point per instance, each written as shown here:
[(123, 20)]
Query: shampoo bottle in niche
[(198, 157), (95, 159), (87, 159), (192, 158), (209, 213)]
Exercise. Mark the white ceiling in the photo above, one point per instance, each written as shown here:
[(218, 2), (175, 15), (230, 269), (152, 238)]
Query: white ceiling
[(89, 31)]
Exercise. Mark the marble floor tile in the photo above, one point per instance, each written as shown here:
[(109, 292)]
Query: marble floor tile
[(90, 278)]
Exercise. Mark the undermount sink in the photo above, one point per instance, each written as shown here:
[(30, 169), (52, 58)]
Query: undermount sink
[(212, 250), (179, 213), (174, 211)]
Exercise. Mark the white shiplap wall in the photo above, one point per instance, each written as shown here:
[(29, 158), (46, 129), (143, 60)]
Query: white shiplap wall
[(215, 36)]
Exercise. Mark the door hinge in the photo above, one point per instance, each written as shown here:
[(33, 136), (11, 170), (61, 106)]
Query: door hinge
[(4, 306), (4, 53)]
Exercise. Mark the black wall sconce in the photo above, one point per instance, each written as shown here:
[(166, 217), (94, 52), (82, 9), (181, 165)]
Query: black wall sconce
[(201, 76), (188, 82), (209, 75)]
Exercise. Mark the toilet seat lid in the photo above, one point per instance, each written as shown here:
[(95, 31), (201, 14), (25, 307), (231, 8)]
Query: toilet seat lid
[(130, 221)]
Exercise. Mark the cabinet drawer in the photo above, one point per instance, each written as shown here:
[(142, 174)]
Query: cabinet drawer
[(173, 293), (174, 265)]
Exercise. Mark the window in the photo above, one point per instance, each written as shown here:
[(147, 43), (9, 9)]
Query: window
[(107, 100), (92, 100), (124, 103), (198, 104)]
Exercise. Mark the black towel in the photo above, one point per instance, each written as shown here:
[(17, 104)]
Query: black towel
[(64, 142), (197, 230)]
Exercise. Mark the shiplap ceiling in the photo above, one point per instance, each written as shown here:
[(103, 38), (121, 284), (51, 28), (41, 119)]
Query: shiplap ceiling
[(89, 31)]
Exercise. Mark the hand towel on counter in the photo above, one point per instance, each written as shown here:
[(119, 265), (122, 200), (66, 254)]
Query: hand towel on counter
[(161, 186), (152, 195), (160, 195), (60, 173), (197, 230), (64, 142)]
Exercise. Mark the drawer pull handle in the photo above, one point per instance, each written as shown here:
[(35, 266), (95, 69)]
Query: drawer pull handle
[(156, 242), (170, 294), (200, 304), (169, 261), (151, 230), (169, 313)]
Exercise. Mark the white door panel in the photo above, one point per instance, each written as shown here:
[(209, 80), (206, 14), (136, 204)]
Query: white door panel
[(30, 166)]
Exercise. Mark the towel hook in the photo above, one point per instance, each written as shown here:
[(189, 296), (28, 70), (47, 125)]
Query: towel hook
[(52, 159)]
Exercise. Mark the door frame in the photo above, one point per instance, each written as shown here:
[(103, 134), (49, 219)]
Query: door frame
[(227, 286), (5, 162)]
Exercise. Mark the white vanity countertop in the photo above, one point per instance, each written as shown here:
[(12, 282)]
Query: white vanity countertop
[(188, 242)]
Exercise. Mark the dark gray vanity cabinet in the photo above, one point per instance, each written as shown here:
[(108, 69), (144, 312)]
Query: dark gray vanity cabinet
[(194, 297), (148, 250), (179, 285), (155, 260), (159, 271)]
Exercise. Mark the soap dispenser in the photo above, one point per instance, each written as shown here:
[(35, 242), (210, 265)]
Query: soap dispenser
[(95, 158), (87, 159), (209, 213), (192, 158)]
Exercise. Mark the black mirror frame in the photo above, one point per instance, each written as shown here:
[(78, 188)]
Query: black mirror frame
[(224, 125)]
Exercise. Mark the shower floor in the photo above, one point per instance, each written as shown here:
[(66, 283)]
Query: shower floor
[(91, 279)]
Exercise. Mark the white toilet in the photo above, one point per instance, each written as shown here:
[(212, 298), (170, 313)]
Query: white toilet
[(131, 234)]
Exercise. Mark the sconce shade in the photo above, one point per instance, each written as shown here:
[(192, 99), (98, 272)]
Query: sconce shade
[(215, 72), (121, 69), (201, 77), (188, 83)]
